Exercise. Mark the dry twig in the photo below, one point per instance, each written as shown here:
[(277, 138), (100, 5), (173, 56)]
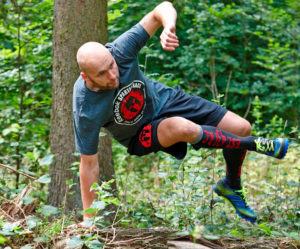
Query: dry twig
[(18, 172)]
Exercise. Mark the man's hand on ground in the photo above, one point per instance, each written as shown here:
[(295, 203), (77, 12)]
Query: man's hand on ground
[(168, 38)]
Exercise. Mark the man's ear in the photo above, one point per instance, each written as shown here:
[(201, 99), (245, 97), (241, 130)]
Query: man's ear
[(83, 76)]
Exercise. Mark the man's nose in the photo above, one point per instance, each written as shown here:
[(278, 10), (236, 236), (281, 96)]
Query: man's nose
[(111, 75)]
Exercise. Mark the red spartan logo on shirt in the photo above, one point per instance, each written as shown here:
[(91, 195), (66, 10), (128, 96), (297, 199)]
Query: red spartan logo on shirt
[(145, 136), (129, 103)]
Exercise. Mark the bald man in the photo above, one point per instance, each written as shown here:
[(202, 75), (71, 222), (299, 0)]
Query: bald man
[(146, 116)]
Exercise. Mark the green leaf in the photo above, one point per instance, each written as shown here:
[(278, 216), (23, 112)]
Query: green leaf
[(32, 222), (48, 210), (90, 210), (95, 186), (44, 179), (46, 160), (26, 247), (209, 236), (95, 244), (265, 228), (181, 233), (2, 240), (9, 227), (99, 205), (13, 128), (162, 174), (28, 199), (87, 223), (293, 235), (114, 201), (275, 233), (40, 239), (69, 181), (74, 242), (159, 215), (102, 134), (31, 156)]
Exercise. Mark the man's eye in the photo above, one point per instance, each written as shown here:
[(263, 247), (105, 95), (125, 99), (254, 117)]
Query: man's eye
[(101, 73)]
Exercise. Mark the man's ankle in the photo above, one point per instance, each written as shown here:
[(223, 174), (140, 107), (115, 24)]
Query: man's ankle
[(233, 183)]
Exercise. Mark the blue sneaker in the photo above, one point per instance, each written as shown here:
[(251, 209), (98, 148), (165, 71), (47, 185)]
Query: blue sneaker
[(272, 147), (236, 198)]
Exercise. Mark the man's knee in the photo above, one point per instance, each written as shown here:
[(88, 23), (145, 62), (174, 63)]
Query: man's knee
[(235, 124), (245, 128), (188, 130), (179, 129)]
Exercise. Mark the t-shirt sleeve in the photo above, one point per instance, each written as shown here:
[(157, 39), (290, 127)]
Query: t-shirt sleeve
[(86, 135), (130, 43)]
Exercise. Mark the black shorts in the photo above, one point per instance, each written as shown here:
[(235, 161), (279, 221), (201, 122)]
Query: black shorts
[(191, 107)]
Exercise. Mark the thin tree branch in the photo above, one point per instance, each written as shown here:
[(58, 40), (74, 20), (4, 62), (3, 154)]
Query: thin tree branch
[(248, 108), (227, 88), (18, 172)]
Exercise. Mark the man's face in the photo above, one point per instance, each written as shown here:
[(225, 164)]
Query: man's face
[(103, 72)]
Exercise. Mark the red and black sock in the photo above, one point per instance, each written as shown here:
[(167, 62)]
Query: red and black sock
[(213, 137), (234, 150), (234, 160)]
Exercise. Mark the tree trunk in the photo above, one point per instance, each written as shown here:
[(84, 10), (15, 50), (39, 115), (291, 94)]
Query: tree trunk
[(105, 159), (75, 22)]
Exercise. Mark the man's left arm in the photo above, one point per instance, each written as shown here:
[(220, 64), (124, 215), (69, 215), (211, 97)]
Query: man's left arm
[(164, 14)]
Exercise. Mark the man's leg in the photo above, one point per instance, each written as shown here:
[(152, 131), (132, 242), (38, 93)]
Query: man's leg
[(234, 158), (176, 129)]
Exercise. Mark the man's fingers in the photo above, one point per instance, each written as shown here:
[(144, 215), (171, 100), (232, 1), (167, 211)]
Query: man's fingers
[(169, 44), (169, 41), (169, 37), (169, 47)]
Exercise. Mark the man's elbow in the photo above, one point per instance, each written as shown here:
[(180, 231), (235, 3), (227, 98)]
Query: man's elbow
[(165, 3)]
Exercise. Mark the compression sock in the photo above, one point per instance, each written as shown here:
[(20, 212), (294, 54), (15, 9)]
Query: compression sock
[(234, 160), (212, 137)]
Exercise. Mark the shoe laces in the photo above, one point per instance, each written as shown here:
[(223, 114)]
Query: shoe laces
[(264, 145), (242, 193)]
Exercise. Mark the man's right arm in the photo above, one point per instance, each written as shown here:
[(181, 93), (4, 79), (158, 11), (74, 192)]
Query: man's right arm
[(89, 173), (164, 14)]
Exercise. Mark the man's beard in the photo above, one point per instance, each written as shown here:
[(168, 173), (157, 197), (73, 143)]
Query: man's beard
[(106, 88)]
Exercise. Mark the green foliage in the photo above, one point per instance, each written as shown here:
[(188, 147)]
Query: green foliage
[(25, 92), (161, 191)]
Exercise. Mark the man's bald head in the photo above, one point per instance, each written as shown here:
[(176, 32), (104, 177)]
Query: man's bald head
[(91, 55), (98, 67)]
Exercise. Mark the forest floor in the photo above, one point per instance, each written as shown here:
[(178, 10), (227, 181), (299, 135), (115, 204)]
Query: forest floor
[(132, 238), (164, 238), (22, 226)]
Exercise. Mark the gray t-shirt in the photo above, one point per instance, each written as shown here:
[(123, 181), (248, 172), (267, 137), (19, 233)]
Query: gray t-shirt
[(123, 111)]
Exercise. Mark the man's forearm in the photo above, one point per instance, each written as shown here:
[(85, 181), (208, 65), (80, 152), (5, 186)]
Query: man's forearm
[(88, 175), (165, 13)]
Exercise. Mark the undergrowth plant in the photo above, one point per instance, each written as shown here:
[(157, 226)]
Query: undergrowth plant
[(158, 190)]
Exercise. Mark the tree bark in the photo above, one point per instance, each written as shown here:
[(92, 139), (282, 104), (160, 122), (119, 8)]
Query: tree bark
[(75, 22), (105, 159)]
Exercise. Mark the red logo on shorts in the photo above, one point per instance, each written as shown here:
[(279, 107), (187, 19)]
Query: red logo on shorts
[(129, 103), (145, 136)]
